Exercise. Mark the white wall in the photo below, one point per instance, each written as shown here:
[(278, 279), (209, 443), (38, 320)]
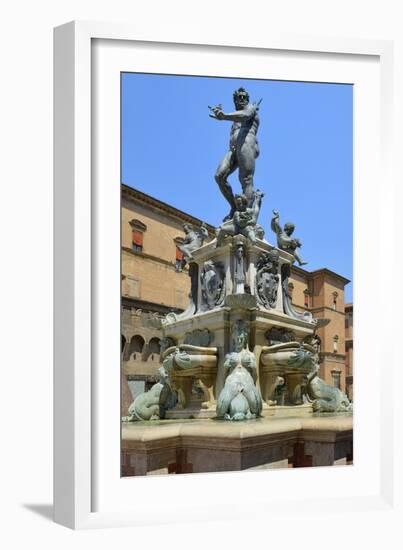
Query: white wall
[(26, 231)]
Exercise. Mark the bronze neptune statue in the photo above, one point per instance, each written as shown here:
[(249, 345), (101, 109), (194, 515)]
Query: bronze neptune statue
[(243, 147)]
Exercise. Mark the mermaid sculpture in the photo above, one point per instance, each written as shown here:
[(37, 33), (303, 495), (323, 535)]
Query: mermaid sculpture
[(240, 399)]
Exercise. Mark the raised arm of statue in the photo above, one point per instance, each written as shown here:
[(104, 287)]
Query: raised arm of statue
[(236, 116), (257, 204), (275, 223)]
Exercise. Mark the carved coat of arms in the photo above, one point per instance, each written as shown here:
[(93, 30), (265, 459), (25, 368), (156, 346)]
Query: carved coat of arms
[(267, 279), (212, 280)]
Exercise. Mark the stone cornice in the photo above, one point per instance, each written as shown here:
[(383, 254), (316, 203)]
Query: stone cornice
[(132, 194), (317, 272), (146, 306)]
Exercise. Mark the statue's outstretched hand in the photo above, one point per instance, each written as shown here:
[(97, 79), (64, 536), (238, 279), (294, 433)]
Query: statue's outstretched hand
[(216, 112)]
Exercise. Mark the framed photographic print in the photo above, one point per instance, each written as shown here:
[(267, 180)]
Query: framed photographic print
[(214, 203)]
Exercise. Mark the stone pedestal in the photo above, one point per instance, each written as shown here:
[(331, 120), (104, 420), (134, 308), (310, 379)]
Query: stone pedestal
[(226, 292), (192, 446)]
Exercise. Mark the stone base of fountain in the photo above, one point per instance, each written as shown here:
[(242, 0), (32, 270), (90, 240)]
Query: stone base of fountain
[(195, 446)]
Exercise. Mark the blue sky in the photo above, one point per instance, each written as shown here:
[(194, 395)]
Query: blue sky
[(171, 150)]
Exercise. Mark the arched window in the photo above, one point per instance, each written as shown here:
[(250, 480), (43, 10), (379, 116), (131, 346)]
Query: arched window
[(136, 347), (335, 295), (335, 343), (154, 350), (123, 343)]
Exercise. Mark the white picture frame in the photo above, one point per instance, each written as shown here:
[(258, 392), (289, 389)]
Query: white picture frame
[(87, 491)]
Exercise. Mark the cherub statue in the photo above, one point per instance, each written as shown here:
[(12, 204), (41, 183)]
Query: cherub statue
[(194, 239), (284, 240), (244, 219)]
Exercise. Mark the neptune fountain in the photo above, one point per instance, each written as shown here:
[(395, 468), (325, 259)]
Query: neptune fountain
[(240, 352)]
